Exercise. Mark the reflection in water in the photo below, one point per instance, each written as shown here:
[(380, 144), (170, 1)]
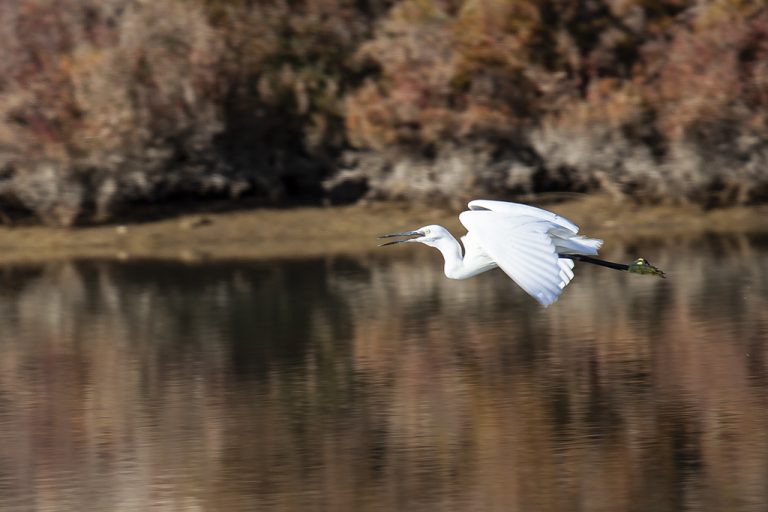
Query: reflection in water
[(377, 384)]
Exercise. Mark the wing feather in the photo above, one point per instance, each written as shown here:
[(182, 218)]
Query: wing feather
[(522, 248), (523, 210), (566, 265), (566, 271)]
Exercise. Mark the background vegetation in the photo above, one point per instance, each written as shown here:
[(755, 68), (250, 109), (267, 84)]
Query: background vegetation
[(104, 104)]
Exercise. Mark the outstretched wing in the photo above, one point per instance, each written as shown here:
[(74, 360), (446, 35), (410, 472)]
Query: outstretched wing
[(522, 246), (522, 210)]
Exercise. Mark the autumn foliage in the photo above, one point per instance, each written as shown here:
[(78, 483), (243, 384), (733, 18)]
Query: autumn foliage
[(107, 103)]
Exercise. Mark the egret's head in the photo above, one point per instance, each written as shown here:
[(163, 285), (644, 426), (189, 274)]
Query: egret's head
[(428, 235)]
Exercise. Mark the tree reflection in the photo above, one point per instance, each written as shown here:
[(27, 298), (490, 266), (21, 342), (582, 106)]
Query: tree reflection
[(370, 383)]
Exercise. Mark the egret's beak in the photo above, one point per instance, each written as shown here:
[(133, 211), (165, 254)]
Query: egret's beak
[(414, 234)]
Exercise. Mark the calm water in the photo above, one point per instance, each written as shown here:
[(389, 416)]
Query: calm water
[(374, 383)]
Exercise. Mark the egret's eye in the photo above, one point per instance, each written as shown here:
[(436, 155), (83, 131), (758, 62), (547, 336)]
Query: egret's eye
[(426, 231)]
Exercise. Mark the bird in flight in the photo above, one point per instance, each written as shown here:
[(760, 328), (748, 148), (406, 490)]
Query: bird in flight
[(535, 247)]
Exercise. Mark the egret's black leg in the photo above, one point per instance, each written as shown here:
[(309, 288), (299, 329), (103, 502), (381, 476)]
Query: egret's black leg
[(594, 261), (640, 266)]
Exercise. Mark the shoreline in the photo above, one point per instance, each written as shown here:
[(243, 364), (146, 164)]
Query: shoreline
[(344, 230)]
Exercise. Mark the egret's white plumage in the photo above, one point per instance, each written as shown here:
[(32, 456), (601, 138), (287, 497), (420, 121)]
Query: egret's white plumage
[(524, 241)]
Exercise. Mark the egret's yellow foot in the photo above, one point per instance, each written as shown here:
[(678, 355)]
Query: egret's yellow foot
[(643, 266)]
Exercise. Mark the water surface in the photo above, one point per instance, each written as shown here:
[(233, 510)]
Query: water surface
[(374, 383)]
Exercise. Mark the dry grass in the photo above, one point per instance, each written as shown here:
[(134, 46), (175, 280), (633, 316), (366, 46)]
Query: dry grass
[(302, 232)]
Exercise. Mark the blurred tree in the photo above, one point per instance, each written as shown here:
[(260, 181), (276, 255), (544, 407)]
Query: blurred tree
[(106, 103)]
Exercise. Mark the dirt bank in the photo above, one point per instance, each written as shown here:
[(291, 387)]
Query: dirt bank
[(302, 232)]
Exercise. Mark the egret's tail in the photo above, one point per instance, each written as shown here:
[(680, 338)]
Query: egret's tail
[(573, 244)]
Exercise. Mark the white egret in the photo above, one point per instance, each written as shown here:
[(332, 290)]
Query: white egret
[(535, 247)]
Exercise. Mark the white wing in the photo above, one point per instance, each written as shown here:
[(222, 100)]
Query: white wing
[(564, 235), (522, 246), (517, 209)]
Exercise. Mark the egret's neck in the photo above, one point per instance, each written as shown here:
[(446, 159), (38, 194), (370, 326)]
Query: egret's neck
[(450, 248), (474, 261)]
